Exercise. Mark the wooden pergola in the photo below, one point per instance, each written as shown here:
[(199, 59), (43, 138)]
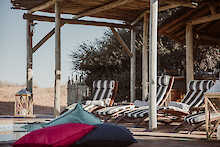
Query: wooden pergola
[(130, 12)]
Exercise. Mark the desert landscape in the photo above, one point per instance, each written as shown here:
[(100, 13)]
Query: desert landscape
[(43, 98)]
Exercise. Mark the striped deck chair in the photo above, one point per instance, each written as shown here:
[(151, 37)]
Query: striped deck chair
[(196, 120), (164, 85), (194, 98), (103, 95)]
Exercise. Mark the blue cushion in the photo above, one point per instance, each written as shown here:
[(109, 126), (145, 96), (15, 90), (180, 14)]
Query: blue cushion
[(107, 135), (77, 115)]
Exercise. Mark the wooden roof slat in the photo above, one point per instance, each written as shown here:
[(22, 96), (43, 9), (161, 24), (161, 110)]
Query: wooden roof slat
[(163, 8), (163, 28), (203, 11), (43, 6), (102, 8)]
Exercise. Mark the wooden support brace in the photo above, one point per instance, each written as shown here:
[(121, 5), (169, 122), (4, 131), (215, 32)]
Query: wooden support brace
[(123, 44), (43, 40), (211, 105), (102, 8)]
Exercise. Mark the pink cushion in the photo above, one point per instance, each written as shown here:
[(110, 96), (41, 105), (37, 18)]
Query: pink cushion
[(61, 135)]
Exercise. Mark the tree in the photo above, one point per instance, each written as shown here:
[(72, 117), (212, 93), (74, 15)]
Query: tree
[(105, 59)]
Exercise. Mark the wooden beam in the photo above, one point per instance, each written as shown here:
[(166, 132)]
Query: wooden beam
[(43, 40), (57, 85), (164, 8), (180, 33), (29, 65), (42, 6), (181, 18), (205, 19), (145, 59), (133, 67), (102, 8), (71, 21), (29, 73), (153, 64), (123, 44), (189, 53), (202, 12)]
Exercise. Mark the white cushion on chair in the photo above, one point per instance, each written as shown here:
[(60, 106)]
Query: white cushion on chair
[(103, 102), (139, 103), (179, 106), (96, 102)]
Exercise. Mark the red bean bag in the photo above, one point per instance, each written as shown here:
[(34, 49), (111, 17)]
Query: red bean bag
[(56, 136)]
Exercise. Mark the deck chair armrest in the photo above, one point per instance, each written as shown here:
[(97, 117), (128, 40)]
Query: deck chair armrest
[(179, 105)]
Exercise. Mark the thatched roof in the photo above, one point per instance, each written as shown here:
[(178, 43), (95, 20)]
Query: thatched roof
[(205, 20), (125, 10)]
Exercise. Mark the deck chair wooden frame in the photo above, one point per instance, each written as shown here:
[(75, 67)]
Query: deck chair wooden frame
[(195, 120), (140, 119), (116, 111), (102, 90), (194, 99), (211, 106)]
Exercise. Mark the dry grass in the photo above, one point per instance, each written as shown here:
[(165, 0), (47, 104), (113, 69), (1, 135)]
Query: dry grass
[(43, 99)]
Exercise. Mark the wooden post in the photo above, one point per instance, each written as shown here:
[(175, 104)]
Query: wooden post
[(153, 64), (145, 59), (133, 66), (189, 53), (57, 60), (29, 82)]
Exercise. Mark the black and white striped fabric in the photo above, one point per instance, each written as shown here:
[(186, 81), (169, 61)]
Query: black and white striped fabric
[(195, 92), (102, 94), (193, 98), (103, 89), (200, 117), (162, 85)]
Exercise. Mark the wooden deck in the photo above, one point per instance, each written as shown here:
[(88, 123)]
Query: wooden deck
[(145, 138)]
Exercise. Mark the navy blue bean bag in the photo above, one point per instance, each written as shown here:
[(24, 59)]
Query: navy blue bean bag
[(107, 135)]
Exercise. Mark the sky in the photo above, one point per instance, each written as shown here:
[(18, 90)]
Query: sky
[(13, 47)]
